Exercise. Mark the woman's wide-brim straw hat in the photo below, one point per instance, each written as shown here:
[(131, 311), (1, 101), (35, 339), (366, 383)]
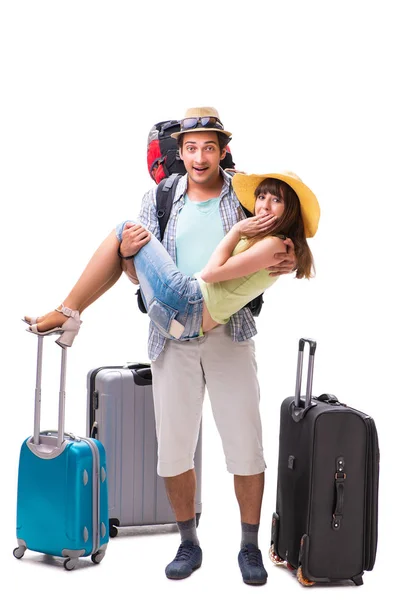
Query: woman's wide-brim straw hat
[(201, 113), (245, 186)]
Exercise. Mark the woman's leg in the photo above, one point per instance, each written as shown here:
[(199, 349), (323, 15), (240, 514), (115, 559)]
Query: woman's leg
[(154, 267), (159, 276), (173, 300), (100, 274)]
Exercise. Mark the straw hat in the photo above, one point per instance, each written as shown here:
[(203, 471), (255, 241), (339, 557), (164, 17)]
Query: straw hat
[(198, 113), (245, 186)]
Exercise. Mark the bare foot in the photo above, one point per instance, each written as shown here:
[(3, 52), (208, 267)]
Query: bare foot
[(49, 320)]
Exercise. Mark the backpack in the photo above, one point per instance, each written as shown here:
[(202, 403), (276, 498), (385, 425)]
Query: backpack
[(164, 198), (163, 153)]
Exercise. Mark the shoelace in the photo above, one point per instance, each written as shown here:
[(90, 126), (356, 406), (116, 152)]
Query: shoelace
[(253, 557), (184, 552)]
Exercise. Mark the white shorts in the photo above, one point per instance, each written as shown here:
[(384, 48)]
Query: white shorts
[(229, 371)]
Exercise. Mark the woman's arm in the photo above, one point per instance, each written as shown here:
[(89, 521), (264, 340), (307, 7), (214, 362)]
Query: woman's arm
[(259, 256), (247, 227), (223, 266)]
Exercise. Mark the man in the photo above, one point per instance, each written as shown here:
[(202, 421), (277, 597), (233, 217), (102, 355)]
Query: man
[(204, 209)]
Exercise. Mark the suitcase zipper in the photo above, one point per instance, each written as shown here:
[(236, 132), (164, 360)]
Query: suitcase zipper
[(371, 499), (96, 493), (94, 399)]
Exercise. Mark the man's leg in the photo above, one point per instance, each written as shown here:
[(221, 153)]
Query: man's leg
[(231, 374), (178, 386), (181, 491), (249, 491)]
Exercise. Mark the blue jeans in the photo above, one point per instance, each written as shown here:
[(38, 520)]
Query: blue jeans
[(169, 295)]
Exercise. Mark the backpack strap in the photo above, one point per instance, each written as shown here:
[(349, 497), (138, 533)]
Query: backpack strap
[(164, 198)]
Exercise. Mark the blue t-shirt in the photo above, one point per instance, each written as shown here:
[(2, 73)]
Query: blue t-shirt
[(199, 231)]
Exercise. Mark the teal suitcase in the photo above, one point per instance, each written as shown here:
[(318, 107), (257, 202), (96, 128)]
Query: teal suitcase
[(62, 503)]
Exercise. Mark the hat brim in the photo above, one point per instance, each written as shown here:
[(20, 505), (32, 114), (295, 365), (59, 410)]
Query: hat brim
[(245, 186), (198, 130)]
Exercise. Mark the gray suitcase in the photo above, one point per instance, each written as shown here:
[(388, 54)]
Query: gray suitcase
[(120, 413)]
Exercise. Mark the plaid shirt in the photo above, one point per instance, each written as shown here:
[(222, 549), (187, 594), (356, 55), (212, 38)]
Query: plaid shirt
[(241, 323)]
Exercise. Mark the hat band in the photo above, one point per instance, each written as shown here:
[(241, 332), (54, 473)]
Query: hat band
[(207, 122)]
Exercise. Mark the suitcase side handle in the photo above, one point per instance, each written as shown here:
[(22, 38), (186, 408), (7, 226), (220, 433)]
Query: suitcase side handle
[(136, 365), (299, 412), (141, 372), (143, 376)]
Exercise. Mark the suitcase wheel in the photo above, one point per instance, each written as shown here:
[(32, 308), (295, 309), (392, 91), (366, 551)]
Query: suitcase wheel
[(113, 532), (70, 564), (274, 557), (303, 580), (97, 557), (112, 527), (19, 551)]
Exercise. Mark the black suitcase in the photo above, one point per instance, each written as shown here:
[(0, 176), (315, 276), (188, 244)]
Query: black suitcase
[(325, 524)]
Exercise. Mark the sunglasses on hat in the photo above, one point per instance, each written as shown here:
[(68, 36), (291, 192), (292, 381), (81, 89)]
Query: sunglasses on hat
[(193, 122)]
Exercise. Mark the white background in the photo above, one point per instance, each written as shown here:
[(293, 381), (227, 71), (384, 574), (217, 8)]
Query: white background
[(310, 87)]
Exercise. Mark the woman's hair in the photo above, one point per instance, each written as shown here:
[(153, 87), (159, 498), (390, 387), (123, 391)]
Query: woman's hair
[(290, 224)]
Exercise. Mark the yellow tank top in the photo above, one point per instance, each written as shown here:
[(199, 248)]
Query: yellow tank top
[(225, 298)]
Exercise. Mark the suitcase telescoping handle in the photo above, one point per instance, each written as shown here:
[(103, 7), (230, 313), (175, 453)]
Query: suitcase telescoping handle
[(38, 394), (310, 373)]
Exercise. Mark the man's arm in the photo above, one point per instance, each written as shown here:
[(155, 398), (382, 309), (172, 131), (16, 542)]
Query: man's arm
[(148, 218), (134, 237)]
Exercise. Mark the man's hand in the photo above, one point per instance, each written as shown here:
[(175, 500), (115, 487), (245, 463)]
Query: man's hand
[(134, 237), (288, 261)]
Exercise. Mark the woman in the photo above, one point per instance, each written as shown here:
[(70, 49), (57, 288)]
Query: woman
[(184, 307)]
